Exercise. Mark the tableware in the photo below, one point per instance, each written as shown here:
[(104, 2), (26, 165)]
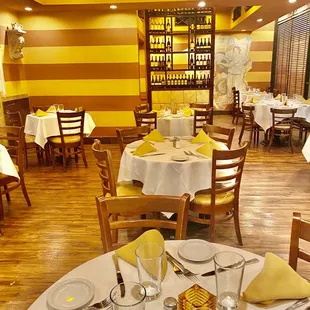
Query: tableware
[(135, 144), (179, 158), (134, 298), (248, 262), (56, 107), (118, 272), (179, 272), (149, 257), (298, 304), (170, 303), (196, 250), (189, 138), (228, 279), (153, 154), (105, 303), (61, 107), (71, 294)]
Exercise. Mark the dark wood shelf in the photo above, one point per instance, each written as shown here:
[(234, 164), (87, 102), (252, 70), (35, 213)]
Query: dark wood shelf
[(165, 88), (195, 51)]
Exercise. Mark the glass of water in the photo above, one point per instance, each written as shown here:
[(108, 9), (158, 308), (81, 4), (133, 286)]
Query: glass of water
[(149, 258), (229, 268), (128, 295)]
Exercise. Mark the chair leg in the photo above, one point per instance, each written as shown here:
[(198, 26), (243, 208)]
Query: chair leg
[(76, 155), (241, 133), (38, 155), (270, 139), (114, 231), (290, 142), (1, 207), (251, 135), (26, 159), (212, 227), (7, 195), (1, 234), (23, 186), (234, 116), (84, 156), (64, 159), (53, 156), (237, 225)]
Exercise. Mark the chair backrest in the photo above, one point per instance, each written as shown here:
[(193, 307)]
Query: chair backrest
[(236, 98), (300, 230), (220, 134), (248, 115), (233, 89), (283, 117), (275, 92), (137, 205), (41, 107), (201, 118), (15, 139), (146, 119), (227, 168), (14, 118), (200, 106), (104, 162), (142, 108), (129, 135)]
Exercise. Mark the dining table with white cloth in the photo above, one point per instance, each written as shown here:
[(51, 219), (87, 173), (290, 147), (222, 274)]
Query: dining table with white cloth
[(101, 272), (175, 125), (263, 115), (7, 166), (47, 126), (306, 149)]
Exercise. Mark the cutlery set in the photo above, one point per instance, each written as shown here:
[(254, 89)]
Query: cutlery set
[(190, 153)]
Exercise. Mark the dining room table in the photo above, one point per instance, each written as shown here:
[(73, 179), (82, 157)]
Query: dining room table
[(101, 272), (306, 150), (43, 127), (7, 166), (175, 125)]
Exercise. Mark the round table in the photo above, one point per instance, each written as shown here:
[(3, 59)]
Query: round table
[(101, 272), (306, 150), (47, 126), (175, 125), (6, 164)]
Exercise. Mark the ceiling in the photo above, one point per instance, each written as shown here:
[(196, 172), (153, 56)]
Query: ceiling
[(269, 10)]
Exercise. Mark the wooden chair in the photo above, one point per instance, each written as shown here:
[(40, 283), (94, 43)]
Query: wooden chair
[(282, 125), (41, 107), (71, 139), (140, 205), (236, 112), (201, 118), (300, 230), (249, 124), (221, 202), (200, 106), (29, 140), (142, 108), (220, 134), (126, 136), (146, 119), (15, 137)]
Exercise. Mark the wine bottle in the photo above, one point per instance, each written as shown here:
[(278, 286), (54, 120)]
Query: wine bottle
[(168, 81), (198, 26), (192, 44), (163, 62), (192, 27), (208, 81), (158, 44), (152, 25), (204, 61), (197, 62), (179, 80), (156, 80), (185, 79), (209, 42), (168, 46), (209, 23), (156, 25), (152, 62), (163, 81), (163, 45), (168, 63), (208, 61), (205, 42), (152, 80), (168, 26), (155, 63), (193, 80), (188, 80), (201, 43), (192, 65), (204, 81), (201, 62), (197, 44)]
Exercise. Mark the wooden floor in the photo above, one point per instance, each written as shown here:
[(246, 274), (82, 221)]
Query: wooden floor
[(60, 231)]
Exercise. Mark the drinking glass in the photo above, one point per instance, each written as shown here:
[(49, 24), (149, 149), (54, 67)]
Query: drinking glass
[(149, 258), (229, 268), (61, 107), (128, 295), (56, 107)]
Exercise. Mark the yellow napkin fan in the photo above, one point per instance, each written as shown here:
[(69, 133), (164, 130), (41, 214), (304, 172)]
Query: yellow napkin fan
[(155, 136), (51, 109), (40, 113), (202, 137), (144, 148), (277, 280), (187, 112), (127, 252), (207, 148), (278, 97), (307, 101)]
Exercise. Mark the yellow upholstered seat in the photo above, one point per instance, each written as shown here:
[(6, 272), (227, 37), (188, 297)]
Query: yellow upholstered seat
[(204, 198), (282, 127), (3, 176), (128, 190), (68, 139)]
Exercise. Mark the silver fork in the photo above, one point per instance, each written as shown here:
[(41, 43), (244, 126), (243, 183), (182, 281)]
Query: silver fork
[(196, 155), (105, 303), (176, 270)]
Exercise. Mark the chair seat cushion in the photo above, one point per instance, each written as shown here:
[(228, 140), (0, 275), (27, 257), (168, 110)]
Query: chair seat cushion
[(282, 127), (29, 139), (128, 189), (68, 139), (204, 198), (3, 176)]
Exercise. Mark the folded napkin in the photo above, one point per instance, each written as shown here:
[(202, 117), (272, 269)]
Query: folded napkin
[(207, 148), (187, 111), (202, 137), (40, 113), (278, 97), (307, 101), (127, 252), (277, 280), (51, 109), (264, 93), (155, 136), (144, 148)]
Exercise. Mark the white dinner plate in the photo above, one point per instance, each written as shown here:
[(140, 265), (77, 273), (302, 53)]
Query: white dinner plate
[(179, 158), (196, 250), (135, 144), (187, 138), (71, 294), (176, 115)]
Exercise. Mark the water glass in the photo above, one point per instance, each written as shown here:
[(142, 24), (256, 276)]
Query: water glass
[(149, 258), (61, 107), (56, 107), (229, 268), (128, 295)]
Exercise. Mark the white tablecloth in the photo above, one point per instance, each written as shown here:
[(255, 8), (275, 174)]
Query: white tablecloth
[(175, 126), (6, 164), (101, 272), (47, 126), (306, 150), (263, 115)]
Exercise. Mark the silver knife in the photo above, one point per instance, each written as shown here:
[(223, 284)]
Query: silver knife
[(298, 303), (119, 276), (248, 262), (155, 154)]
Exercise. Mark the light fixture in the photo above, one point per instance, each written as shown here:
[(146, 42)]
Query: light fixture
[(27, 8), (260, 20), (201, 4), (243, 30), (292, 1), (113, 6)]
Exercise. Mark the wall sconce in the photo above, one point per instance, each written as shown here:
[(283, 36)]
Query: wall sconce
[(16, 41)]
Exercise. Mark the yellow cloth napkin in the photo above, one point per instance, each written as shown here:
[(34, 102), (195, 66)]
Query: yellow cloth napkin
[(264, 93), (155, 136), (278, 97), (202, 137), (307, 101), (144, 148), (40, 113), (127, 252), (277, 280), (251, 100), (51, 109), (207, 148), (187, 111)]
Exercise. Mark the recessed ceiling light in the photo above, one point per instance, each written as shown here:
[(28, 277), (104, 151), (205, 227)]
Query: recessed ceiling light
[(113, 6), (27, 8), (292, 1), (243, 30), (201, 4), (260, 20)]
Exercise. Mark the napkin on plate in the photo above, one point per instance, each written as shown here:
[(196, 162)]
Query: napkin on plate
[(144, 148), (155, 136), (51, 109), (202, 137), (127, 252), (207, 148), (277, 280), (40, 113)]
